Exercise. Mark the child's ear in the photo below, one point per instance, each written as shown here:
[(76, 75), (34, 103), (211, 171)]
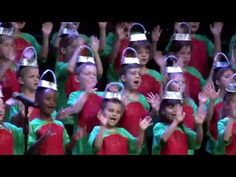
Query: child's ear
[(123, 78), (20, 80), (217, 82), (63, 50), (76, 78)]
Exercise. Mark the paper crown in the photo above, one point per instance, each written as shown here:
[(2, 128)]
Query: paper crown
[(231, 86), (48, 84), (6, 31), (220, 64), (170, 95), (129, 60), (29, 57), (139, 36), (174, 68), (85, 59), (114, 94), (1, 94), (69, 30), (183, 36)]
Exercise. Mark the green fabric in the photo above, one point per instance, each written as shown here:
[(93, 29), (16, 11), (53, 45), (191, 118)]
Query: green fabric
[(28, 37), (131, 139), (160, 128), (192, 103), (18, 137), (231, 43), (37, 123), (222, 124), (196, 73), (144, 102), (110, 41), (155, 74)]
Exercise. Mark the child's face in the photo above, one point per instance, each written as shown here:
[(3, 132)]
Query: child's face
[(132, 79), (30, 78), (7, 47), (2, 109), (18, 25), (113, 112), (88, 77), (185, 54), (194, 26), (47, 101), (143, 55), (225, 79), (179, 85), (171, 112)]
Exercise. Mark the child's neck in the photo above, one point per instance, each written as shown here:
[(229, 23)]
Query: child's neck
[(222, 93), (144, 69), (17, 33), (29, 93), (44, 116), (131, 95)]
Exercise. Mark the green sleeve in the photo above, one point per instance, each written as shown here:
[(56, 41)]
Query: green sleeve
[(192, 141), (11, 112), (18, 139), (197, 74), (54, 37), (93, 135), (167, 49), (155, 74), (32, 134), (33, 41), (110, 40), (66, 138), (210, 46), (221, 125), (158, 131), (231, 43), (61, 69), (144, 101), (192, 104), (74, 96)]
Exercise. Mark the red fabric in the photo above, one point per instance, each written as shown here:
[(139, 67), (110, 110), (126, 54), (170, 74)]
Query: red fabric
[(148, 84), (199, 57), (6, 142), (117, 64), (52, 145), (88, 115), (193, 86), (189, 116), (34, 114), (20, 45), (130, 120), (177, 144), (71, 85), (231, 149), (215, 118), (114, 144), (9, 84)]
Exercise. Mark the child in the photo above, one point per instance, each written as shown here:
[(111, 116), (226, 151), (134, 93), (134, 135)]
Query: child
[(171, 137), (109, 139), (151, 79), (226, 126), (47, 136), (8, 78), (11, 137)]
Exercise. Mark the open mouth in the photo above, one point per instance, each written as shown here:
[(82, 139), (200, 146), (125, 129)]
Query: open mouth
[(113, 120), (136, 83)]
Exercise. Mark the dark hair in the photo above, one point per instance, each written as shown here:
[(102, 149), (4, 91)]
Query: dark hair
[(163, 105), (21, 70), (80, 66), (176, 46), (113, 100), (67, 40), (217, 73), (140, 44), (126, 67), (226, 100)]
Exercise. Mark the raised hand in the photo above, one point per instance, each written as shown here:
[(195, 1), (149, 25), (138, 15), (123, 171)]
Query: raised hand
[(102, 24), (64, 113), (216, 28), (47, 28), (145, 123), (154, 101), (202, 97), (102, 118), (209, 90), (94, 43), (120, 31), (180, 114), (200, 117), (156, 33)]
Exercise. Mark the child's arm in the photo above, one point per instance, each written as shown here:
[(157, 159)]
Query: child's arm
[(95, 48), (228, 130), (154, 101), (9, 57), (102, 27), (199, 119), (216, 32), (156, 33), (99, 138), (46, 29)]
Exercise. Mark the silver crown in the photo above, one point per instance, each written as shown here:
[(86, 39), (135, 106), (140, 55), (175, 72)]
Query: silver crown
[(141, 36), (231, 86), (172, 69), (129, 60), (183, 36), (85, 59), (47, 84), (30, 60), (170, 94), (111, 94), (220, 64), (6, 31), (67, 31)]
